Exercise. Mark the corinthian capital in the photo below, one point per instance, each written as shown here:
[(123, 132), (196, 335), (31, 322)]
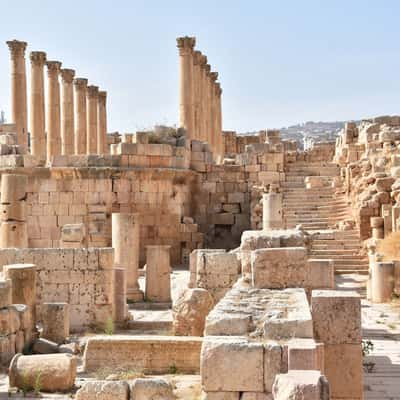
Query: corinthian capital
[(80, 83), (92, 91), (17, 48), (102, 95), (37, 58), (53, 67), (213, 76), (185, 44), (67, 75), (218, 89), (197, 57), (203, 61)]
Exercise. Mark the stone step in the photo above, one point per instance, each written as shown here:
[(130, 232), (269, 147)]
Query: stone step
[(340, 251), (165, 326)]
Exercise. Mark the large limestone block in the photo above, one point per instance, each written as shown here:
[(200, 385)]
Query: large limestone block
[(301, 385), (302, 354), (23, 278), (279, 268), (218, 263), (222, 365), (55, 321), (56, 372), (151, 389), (13, 188), (336, 316), (103, 390), (190, 312), (272, 363), (256, 396), (221, 396), (13, 234), (5, 293), (343, 368), (321, 274)]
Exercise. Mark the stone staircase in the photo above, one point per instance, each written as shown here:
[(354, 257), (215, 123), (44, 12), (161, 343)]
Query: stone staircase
[(318, 210)]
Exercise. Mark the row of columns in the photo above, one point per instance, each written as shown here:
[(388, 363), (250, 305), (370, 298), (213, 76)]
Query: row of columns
[(200, 97), (76, 117)]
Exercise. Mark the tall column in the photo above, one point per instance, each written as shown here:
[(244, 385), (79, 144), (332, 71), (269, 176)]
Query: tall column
[(91, 128), (220, 139), (37, 115), (207, 69), (202, 117), (125, 241), (213, 78), (185, 46), (53, 110), (67, 112), (19, 112), (80, 133), (102, 123), (196, 93)]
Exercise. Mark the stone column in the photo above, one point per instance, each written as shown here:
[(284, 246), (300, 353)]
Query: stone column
[(102, 123), (37, 114), (91, 127), (19, 112), (196, 93), (202, 84), (53, 110), (80, 133), (185, 46), (272, 211), (207, 102), (158, 274), (220, 138), (212, 111), (382, 284), (67, 112), (125, 241), (120, 306)]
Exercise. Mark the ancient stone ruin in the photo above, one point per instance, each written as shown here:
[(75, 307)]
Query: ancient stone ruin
[(193, 264)]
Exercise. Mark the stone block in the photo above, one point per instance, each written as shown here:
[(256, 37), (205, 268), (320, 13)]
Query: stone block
[(221, 396), (344, 371), (272, 364), (279, 268), (13, 188), (220, 358), (5, 293), (103, 390), (321, 274), (13, 211), (302, 354), (151, 388), (256, 396), (55, 321), (336, 316)]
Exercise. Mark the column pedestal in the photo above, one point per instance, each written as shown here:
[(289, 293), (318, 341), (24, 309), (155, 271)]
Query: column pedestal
[(272, 211)]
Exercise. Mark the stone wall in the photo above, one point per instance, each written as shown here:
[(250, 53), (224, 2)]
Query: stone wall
[(84, 278)]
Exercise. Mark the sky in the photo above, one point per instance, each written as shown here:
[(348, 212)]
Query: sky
[(279, 62)]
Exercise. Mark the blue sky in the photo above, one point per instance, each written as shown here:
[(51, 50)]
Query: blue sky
[(279, 62)]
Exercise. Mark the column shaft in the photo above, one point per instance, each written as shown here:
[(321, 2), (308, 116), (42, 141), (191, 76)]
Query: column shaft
[(80, 133), (37, 114), (102, 123), (19, 113), (186, 45), (53, 110), (91, 105), (207, 103), (202, 98), (67, 112), (196, 93)]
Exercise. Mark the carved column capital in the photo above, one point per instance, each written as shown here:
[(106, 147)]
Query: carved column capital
[(53, 67), (197, 57), (203, 61), (38, 58), (17, 48), (67, 75), (185, 44), (213, 76), (218, 89), (92, 91), (102, 95), (80, 83)]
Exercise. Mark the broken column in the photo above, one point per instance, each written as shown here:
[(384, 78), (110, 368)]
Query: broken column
[(55, 321), (56, 372), (377, 227), (158, 274), (23, 287), (272, 211), (13, 229), (125, 241), (91, 118), (67, 112), (37, 114), (186, 115), (19, 109), (120, 306), (80, 134), (53, 125), (102, 123), (336, 317), (382, 281)]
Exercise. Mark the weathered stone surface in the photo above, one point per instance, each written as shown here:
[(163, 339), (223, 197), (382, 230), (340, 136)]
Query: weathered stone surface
[(301, 385), (256, 396), (220, 357), (56, 372), (220, 396), (151, 389), (279, 268), (55, 321), (44, 346), (273, 355), (103, 390), (5, 293), (190, 312)]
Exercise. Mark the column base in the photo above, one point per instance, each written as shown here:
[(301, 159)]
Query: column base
[(134, 294)]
